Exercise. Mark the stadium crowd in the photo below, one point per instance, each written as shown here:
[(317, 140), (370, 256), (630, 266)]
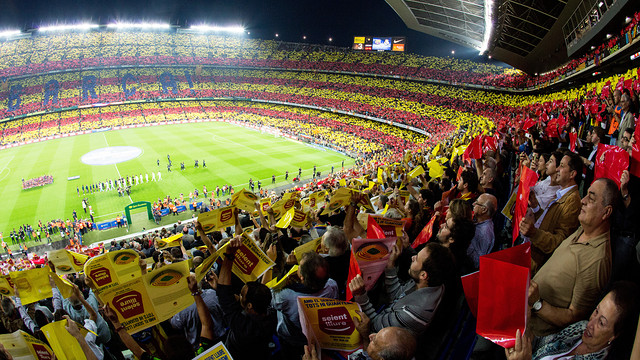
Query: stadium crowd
[(579, 223)]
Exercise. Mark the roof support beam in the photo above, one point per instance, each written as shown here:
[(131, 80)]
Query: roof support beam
[(522, 31), (534, 9), (528, 22), (453, 26), (518, 39)]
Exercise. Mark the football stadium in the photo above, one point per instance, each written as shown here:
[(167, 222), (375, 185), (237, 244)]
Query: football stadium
[(179, 189)]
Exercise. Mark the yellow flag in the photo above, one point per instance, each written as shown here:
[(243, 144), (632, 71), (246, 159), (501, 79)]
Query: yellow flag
[(217, 219), (172, 241), (435, 169), (380, 178), (33, 285), (342, 182), (245, 200), (436, 150), (416, 172), (276, 284)]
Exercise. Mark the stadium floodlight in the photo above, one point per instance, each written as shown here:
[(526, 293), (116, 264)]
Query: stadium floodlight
[(211, 28), (488, 25), (9, 33), (67, 27), (157, 26)]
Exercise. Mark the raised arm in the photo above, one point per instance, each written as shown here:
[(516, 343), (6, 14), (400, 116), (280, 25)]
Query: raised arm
[(206, 329)]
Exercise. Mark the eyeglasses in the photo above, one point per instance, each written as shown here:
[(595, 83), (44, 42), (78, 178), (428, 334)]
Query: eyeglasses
[(477, 203)]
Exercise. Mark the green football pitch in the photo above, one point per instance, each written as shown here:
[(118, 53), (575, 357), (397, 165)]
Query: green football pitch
[(233, 155)]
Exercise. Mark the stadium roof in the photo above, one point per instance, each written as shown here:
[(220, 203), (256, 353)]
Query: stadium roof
[(526, 34), (459, 21)]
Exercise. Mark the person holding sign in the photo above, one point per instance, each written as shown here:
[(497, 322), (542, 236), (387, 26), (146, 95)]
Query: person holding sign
[(568, 285), (251, 320), (415, 302), (613, 319), (313, 274)]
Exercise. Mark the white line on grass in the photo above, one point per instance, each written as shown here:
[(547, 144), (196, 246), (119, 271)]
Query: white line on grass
[(7, 174), (116, 165)]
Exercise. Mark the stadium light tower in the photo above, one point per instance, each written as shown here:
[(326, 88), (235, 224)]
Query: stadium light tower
[(67, 27), (277, 35), (213, 28), (123, 25), (304, 37), (9, 33), (453, 52), (488, 25), (330, 39)]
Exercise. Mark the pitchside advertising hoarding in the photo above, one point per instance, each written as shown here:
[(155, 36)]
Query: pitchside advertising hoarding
[(379, 43)]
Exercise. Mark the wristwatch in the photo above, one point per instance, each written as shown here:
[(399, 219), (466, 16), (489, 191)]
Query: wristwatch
[(537, 306)]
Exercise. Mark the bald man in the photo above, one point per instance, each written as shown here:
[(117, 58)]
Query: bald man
[(389, 343)]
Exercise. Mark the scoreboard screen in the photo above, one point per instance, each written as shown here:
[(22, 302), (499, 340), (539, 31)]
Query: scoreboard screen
[(379, 43)]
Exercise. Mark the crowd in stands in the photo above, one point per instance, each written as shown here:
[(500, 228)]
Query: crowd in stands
[(40, 54), (581, 228), (36, 182)]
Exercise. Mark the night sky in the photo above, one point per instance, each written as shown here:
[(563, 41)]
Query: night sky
[(318, 20)]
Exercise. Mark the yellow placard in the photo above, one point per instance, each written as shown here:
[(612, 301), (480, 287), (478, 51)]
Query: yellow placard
[(293, 217), (509, 208), (63, 285), (317, 199), (22, 346), (172, 241), (264, 203), (33, 285), (6, 285), (207, 263), (313, 245), (245, 200), (380, 177), (65, 346), (276, 284), (217, 219), (216, 352), (152, 298), (113, 268), (283, 205), (67, 262), (340, 198), (329, 322), (390, 227), (250, 261)]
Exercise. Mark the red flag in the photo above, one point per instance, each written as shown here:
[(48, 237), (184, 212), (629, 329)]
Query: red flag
[(374, 230), (552, 128), (528, 124), (354, 269), (460, 170), (425, 234), (474, 150), (528, 178), (611, 161), (489, 143), (573, 137)]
